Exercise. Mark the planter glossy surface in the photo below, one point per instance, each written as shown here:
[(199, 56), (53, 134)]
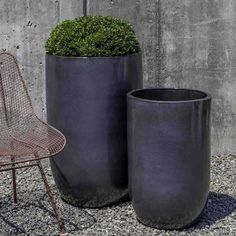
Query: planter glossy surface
[(86, 100), (169, 155)]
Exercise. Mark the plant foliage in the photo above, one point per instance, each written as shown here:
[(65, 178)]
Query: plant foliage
[(92, 36)]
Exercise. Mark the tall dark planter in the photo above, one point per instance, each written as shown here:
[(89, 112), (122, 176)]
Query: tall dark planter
[(169, 155), (86, 100)]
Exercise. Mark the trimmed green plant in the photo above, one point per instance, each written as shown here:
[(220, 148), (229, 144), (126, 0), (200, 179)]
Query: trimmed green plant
[(92, 36)]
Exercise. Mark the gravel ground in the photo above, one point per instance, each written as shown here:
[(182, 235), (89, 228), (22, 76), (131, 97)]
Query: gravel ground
[(33, 214)]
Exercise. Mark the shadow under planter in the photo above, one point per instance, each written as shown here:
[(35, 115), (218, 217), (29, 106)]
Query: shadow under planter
[(86, 100), (218, 207), (169, 155)]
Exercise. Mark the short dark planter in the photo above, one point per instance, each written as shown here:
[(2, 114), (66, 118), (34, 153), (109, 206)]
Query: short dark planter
[(86, 100), (169, 155)]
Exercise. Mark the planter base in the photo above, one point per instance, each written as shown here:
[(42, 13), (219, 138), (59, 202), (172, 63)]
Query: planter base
[(94, 203), (169, 226)]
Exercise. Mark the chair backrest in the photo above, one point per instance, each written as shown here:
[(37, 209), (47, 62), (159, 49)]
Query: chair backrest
[(15, 103)]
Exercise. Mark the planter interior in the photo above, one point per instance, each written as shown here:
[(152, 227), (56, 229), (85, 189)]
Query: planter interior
[(169, 95)]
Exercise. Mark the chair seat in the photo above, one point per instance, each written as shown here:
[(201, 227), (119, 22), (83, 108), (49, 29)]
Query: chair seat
[(43, 141), (22, 134)]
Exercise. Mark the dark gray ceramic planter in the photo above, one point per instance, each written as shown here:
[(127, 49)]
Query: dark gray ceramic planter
[(169, 155), (86, 100)]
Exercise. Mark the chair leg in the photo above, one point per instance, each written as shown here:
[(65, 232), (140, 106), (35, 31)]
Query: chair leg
[(14, 180), (52, 201)]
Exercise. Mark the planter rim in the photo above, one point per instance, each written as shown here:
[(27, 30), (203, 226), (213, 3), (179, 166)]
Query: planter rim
[(92, 58), (131, 96)]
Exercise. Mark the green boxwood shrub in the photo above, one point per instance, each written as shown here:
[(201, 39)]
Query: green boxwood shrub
[(92, 36)]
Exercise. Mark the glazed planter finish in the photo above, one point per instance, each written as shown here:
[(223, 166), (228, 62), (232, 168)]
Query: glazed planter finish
[(169, 155), (86, 100)]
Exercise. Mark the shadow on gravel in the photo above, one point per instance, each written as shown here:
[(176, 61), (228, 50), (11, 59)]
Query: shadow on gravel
[(36, 217), (218, 207)]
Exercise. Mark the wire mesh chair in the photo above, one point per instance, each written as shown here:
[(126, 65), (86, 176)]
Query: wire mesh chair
[(24, 138)]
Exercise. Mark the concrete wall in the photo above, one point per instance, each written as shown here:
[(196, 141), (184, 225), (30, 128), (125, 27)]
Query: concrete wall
[(185, 43), (198, 42), (24, 27)]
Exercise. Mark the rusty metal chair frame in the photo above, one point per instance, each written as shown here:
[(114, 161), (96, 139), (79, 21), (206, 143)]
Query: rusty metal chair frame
[(24, 138)]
